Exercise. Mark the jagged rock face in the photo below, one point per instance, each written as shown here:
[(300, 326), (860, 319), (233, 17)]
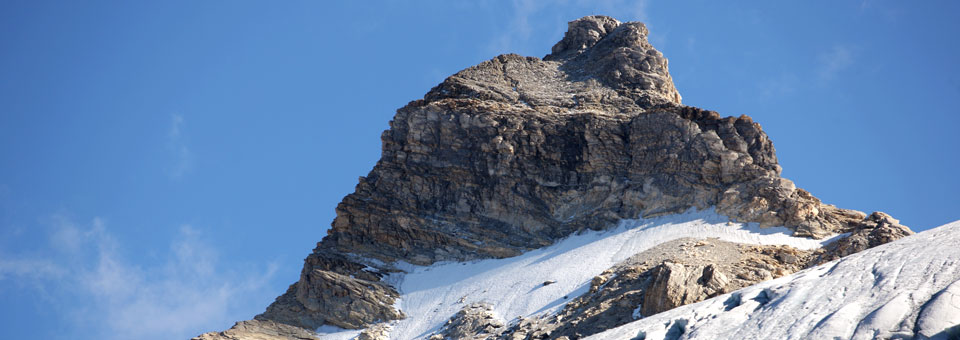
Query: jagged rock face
[(336, 292), (517, 152), (496, 183), (618, 56)]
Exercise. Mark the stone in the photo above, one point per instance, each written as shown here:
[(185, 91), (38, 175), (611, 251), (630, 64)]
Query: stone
[(517, 152), (379, 331), (874, 230), (260, 330), (669, 275), (475, 322)]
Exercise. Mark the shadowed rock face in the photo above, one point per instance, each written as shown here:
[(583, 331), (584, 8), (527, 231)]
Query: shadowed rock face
[(517, 152)]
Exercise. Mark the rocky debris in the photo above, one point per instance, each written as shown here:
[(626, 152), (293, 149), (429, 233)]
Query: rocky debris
[(260, 330), (517, 152), (474, 322), (327, 297), (526, 328), (669, 275), (673, 285), (905, 289), (686, 271), (876, 229), (380, 331), (337, 290)]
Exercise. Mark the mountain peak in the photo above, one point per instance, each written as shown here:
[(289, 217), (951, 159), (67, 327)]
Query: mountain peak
[(517, 153), (601, 65), (583, 33)]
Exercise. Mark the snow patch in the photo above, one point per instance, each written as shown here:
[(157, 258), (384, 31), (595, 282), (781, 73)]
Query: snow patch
[(636, 312), (904, 289), (430, 295), (330, 332)]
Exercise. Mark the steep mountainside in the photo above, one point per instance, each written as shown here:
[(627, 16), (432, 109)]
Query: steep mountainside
[(909, 289), (516, 153)]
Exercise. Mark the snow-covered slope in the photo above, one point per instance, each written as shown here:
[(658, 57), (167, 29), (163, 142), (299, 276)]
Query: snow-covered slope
[(905, 289), (515, 286)]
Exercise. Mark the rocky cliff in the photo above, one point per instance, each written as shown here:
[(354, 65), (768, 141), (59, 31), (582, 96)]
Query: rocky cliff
[(517, 152)]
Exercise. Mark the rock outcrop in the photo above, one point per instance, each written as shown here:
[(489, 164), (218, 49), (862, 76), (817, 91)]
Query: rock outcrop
[(336, 291), (517, 152), (260, 330), (669, 275), (906, 289), (686, 271), (473, 322), (877, 229)]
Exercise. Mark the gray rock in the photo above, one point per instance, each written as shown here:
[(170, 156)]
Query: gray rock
[(327, 297), (260, 330), (874, 230), (475, 322), (667, 276), (517, 152), (379, 331)]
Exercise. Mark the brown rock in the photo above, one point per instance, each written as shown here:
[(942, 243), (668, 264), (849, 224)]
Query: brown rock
[(517, 152), (667, 276), (260, 330), (874, 230), (475, 322)]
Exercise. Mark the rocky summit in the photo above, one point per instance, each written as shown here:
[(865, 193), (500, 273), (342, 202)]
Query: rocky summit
[(516, 153)]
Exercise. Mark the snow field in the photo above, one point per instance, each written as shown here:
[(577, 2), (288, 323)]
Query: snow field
[(515, 286), (904, 289)]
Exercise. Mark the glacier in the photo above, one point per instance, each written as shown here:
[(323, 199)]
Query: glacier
[(907, 289), (514, 286)]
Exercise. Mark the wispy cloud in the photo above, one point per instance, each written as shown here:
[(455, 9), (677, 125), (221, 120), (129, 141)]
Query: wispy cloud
[(118, 297), (177, 146), (518, 30), (624, 10), (834, 61), (778, 86)]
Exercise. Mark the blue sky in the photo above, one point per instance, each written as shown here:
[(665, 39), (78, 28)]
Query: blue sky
[(166, 166)]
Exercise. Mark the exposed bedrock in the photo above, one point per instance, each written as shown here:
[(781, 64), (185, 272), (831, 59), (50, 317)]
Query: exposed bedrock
[(517, 152), (686, 271)]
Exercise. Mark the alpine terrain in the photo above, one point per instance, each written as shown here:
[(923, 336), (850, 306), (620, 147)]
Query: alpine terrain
[(575, 196)]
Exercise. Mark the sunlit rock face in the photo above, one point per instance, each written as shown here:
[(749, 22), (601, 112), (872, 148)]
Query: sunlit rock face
[(517, 152)]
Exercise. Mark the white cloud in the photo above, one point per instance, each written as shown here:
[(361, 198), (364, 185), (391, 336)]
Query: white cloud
[(518, 31), (119, 296), (778, 86), (834, 61), (31, 269), (177, 146)]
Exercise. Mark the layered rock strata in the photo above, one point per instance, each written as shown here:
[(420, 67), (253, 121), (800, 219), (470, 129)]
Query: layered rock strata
[(517, 152)]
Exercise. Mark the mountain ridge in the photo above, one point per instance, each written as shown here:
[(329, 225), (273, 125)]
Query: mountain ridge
[(517, 152)]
